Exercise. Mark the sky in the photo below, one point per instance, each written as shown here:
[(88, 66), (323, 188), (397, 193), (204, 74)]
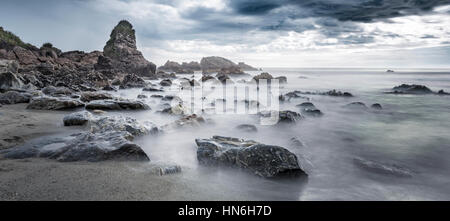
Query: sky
[(262, 33)]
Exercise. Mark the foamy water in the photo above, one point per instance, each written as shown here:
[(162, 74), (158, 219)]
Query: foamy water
[(411, 131)]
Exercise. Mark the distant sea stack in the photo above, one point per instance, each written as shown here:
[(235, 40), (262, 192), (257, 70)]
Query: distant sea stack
[(215, 64), (121, 52), (184, 68), (245, 67)]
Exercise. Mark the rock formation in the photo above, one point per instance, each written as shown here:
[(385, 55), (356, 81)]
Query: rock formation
[(215, 64), (123, 54), (245, 67), (184, 68), (261, 159)]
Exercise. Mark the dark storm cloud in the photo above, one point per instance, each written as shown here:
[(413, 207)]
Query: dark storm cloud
[(343, 10)]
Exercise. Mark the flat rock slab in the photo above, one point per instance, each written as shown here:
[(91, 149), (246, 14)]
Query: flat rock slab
[(116, 105), (52, 103)]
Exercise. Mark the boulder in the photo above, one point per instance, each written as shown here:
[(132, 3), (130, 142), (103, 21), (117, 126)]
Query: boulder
[(116, 105), (90, 96), (10, 81), (108, 138), (264, 75), (309, 109), (376, 106), (166, 83), (132, 81), (53, 103), (57, 91), (77, 119), (9, 66), (289, 117), (263, 160), (14, 97)]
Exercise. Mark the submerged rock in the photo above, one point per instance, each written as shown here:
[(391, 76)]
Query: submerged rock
[(374, 167), (52, 103), (152, 89), (309, 109), (333, 93), (411, 89), (289, 117), (356, 105), (14, 97), (247, 128), (77, 119), (165, 83), (117, 105), (376, 106), (261, 159), (285, 117)]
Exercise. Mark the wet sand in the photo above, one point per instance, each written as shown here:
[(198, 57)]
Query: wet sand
[(44, 179)]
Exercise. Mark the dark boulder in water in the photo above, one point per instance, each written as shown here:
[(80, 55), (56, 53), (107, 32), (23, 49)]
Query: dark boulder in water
[(306, 105), (356, 106), (166, 83), (411, 89), (312, 112), (376, 106), (284, 117), (289, 117), (77, 119), (375, 167), (247, 128), (442, 92), (263, 160), (309, 109)]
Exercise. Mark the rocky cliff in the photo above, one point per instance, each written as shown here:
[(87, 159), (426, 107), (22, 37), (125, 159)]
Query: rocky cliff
[(77, 70)]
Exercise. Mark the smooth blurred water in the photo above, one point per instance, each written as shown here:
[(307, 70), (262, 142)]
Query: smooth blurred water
[(411, 131)]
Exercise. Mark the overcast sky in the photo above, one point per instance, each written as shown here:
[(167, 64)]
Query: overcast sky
[(263, 33)]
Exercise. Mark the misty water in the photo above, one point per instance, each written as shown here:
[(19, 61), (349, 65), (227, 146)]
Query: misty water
[(411, 131)]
